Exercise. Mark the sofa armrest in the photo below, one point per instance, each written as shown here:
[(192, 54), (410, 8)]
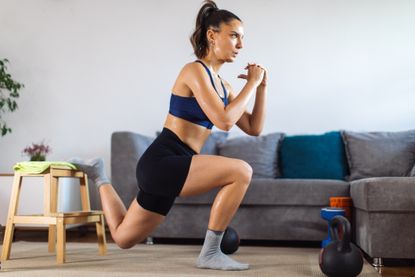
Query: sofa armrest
[(126, 150), (384, 194)]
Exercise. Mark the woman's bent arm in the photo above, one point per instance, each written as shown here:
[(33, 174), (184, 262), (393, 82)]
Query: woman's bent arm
[(222, 117)]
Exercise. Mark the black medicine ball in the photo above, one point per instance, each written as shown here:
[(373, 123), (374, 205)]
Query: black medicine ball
[(230, 241)]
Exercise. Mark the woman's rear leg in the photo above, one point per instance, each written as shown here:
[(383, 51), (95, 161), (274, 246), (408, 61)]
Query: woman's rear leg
[(127, 227)]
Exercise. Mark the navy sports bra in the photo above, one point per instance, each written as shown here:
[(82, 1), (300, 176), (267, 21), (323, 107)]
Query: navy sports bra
[(188, 109)]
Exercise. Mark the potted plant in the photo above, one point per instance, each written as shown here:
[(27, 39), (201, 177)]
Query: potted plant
[(37, 151), (9, 91)]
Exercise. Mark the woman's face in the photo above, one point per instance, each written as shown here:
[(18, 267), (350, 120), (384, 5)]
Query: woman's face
[(227, 41)]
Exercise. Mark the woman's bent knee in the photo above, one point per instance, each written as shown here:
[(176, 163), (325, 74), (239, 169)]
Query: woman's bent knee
[(244, 172), (124, 243)]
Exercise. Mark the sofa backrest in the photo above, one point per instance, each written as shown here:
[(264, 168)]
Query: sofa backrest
[(379, 154)]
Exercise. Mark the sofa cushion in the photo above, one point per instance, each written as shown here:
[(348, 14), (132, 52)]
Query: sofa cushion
[(379, 154), (260, 152), (313, 156), (282, 192), (383, 194)]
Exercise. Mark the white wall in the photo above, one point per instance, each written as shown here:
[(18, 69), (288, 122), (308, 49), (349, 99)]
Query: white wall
[(92, 67)]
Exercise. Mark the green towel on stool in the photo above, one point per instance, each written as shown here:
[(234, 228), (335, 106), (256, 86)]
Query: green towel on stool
[(39, 167)]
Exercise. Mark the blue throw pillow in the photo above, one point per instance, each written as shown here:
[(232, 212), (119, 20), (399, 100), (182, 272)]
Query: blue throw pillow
[(313, 157)]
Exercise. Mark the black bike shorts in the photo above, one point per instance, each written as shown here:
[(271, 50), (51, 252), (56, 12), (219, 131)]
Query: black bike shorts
[(162, 171)]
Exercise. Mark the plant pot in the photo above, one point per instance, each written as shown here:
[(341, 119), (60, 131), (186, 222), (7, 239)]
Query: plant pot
[(38, 158)]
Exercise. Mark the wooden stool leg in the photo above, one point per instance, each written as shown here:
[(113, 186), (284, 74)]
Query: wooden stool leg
[(14, 202), (52, 239), (86, 205), (100, 226), (51, 206), (61, 241)]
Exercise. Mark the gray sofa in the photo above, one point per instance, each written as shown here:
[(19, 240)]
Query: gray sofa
[(293, 178)]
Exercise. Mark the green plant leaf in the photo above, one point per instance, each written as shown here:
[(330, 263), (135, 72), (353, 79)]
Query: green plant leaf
[(9, 90)]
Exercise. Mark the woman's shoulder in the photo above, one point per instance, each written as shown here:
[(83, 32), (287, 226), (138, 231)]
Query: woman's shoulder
[(192, 68), (193, 65), (189, 73)]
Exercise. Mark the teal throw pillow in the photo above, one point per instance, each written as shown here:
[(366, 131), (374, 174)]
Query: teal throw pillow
[(313, 157)]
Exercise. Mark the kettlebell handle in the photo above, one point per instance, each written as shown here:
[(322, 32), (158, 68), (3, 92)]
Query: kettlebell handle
[(344, 244)]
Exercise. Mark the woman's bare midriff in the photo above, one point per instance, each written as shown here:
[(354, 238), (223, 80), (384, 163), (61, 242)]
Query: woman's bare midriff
[(192, 134)]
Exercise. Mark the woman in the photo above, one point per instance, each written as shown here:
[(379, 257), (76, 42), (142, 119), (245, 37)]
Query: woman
[(171, 166)]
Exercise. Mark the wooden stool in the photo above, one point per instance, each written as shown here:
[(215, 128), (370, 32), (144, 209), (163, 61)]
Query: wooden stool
[(50, 216)]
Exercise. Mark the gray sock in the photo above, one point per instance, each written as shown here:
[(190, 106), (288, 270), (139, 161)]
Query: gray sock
[(94, 168), (212, 257)]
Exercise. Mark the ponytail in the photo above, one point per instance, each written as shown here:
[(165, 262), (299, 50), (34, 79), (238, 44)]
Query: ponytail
[(209, 16)]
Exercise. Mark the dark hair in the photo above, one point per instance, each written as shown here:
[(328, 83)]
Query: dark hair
[(209, 16)]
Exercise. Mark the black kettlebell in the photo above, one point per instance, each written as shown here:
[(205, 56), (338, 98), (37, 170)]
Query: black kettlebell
[(340, 258), (230, 241)]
